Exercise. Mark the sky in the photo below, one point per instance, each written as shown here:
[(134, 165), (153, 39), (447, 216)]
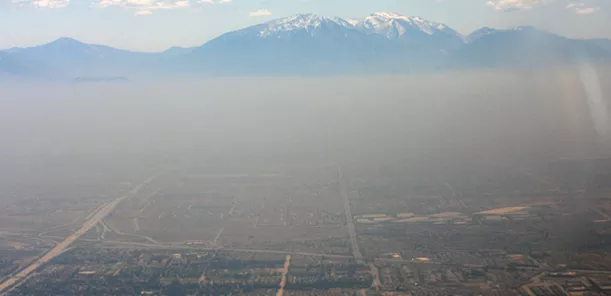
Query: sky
[(155, 25)]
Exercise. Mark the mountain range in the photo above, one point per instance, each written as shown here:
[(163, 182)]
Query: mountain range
[(311, 44)]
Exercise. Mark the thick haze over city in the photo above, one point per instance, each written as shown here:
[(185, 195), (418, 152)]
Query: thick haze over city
[(305, 147)]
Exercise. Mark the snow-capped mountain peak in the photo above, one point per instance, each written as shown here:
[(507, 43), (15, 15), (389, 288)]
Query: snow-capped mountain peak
[(308, 22), (394, 25), (388, 24)]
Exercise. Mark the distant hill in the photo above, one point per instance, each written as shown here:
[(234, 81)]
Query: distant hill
[(176, 51), (481, 33), (602, 43), (524, 47), (69, 58)]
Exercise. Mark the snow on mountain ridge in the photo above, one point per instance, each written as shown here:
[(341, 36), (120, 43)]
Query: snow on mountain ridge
[(308, 22), (388, 24), (393, 25)]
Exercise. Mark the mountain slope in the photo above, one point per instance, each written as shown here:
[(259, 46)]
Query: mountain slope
[(602, 43), (309, 43), (412, 30), (12, 66), (71, 58), (480, 33), (176, 51), (303, 43), (524, 47)]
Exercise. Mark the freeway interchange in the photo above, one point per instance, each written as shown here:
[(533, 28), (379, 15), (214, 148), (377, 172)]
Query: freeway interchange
[(22, 275)]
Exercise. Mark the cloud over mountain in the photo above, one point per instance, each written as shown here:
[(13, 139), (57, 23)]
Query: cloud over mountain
[(509, 5), (260, 12)]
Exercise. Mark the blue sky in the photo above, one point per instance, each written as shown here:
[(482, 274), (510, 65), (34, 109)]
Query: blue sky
[(154, 25)]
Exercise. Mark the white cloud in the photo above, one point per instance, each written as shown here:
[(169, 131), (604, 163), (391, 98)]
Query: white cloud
[(143, 12), (586, 10), (140, 2), (111, 3), (168, 5), (143, 7), (108, 3), (260, 12), (581, 8), (215, 1), (42, 3), (146, 7), (509, 5), (51, 3)]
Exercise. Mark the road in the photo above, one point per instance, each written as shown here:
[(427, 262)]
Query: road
[(14, 280), (285, 271), (455, 195), (433, 263), (349, 219), (111, 229), (376, 277), (605, 215), (216, 240)]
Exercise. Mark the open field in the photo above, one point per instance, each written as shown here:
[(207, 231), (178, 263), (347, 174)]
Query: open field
[(287, 208)]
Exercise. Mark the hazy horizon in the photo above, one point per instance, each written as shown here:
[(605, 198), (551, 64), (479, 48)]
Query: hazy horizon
[(504, 115)]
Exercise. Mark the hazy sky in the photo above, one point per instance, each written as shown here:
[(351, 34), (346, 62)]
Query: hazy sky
[(154, 25)]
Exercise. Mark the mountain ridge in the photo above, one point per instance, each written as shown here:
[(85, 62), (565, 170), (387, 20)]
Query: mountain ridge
[(382, 42), (525, 47)]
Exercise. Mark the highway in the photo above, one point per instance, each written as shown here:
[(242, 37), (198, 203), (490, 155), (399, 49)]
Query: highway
[(112, 229), (605, 215), (376, 277), (285, 271), (14, 280), (348, 213)]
